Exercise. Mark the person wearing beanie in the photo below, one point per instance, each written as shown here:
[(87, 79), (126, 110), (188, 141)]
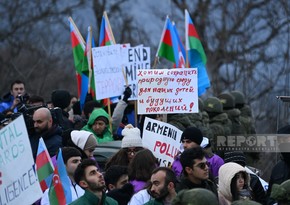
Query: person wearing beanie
[(233, 183), (191, 137), (131, 144), (258, 192), (71, 158), (61, 99), (85, 141), (98, 124), (200, 196)]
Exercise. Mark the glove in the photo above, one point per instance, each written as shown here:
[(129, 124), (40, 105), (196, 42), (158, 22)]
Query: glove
[(127, 94)]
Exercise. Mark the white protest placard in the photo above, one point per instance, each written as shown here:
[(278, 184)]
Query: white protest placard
[(167, 91), (135, 58), (19, 181), (162, 139), (109, 79)]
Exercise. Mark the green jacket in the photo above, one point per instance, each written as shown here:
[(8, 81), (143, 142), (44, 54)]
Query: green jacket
[(90, 199), (107, 135)]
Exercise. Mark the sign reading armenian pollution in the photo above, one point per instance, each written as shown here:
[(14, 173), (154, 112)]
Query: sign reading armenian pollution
[(19, 183), (162, 139), (167, 91)]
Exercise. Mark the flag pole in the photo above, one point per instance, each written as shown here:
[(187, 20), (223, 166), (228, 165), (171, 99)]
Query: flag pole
[(89, 57), (186, 38)]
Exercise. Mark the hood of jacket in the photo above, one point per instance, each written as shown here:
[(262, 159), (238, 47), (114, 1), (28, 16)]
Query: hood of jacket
[(95, 114), (226, 174)]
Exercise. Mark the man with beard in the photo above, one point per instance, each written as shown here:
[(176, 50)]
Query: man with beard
[(45, 128), (163, 181), (89, 178)]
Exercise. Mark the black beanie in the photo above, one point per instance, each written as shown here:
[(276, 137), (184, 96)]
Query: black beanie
[(60, 98), (236, 156), (68, 152), (192, 133)]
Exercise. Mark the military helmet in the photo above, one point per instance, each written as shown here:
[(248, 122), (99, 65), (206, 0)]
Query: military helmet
[(239, 97), (200, 104), (227, 100), (213, 104)]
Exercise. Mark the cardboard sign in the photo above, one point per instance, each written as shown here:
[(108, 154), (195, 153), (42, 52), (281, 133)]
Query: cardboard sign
[(162, 139), (134, 59), (109, 79), (167, 91), (19, 181)]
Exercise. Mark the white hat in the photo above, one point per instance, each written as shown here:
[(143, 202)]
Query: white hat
[(80, 137), (132, 137)]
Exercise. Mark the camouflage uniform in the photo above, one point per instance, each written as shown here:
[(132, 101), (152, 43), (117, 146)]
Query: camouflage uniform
[(228, 102)]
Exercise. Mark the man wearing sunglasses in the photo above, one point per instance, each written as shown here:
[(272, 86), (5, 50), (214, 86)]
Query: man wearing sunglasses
[(196, 171)]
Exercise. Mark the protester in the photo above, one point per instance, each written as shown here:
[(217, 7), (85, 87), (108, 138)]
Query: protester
[(281, 193), (233, 183), (258, 192), (197, 196), (89, 178), (98, 124), (61, 99), (213, 159), (84, 141), (14, 97), (45, 128), (71, 158), (162, 186), (116, 178), (131, 144), (191, 137), (140, 169), (196, 171)]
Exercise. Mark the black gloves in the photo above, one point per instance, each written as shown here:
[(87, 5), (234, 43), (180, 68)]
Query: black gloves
[(127, 93)]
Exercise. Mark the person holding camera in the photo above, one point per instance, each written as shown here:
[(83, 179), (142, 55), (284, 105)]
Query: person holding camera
[(16, 96)]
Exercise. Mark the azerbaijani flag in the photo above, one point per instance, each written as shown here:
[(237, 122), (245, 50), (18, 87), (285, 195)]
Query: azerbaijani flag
[(168, 46), (59, 192), (180, 49), (78, 47), (44, 166), (196, 55), (106, 37), (88, 80)]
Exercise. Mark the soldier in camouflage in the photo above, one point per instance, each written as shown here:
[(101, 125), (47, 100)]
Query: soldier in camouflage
[(233, 113)]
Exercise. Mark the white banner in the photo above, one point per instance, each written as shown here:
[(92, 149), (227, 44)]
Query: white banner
[(167, 91), (109, 79), (134, 59), (19, 180), (162, 139)]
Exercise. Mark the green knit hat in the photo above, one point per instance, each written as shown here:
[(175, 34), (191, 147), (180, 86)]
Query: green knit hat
[(281, 192), (195, 197)]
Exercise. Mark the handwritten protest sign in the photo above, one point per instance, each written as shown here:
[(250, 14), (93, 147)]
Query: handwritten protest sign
[(167, 91), (162, 139), (109, 79), (19, 181), (134, 59)]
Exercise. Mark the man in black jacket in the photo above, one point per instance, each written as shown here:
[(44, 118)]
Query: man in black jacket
[(196, 171)]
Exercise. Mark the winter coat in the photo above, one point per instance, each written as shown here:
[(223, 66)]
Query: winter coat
[(226, 174), (237, 126), (107, 135), (91, 199)]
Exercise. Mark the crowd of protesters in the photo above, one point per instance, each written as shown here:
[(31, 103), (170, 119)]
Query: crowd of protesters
[(198, 175)]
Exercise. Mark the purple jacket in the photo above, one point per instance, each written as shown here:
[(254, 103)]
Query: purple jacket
[(138, 185), (215, 163)]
